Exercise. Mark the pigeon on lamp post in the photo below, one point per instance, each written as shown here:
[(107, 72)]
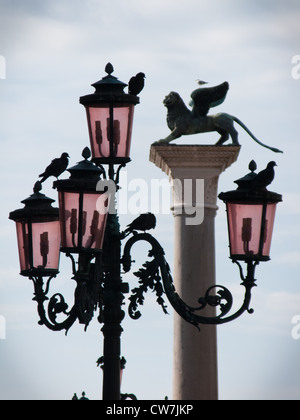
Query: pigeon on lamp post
[(136, 84), (56, 167), (264, 177), (145, 221)]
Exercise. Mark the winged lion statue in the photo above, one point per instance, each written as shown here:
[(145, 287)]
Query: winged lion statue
[(183, 121)]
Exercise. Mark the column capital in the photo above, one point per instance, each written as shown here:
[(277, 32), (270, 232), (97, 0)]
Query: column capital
[(193, 163), (191, 160)]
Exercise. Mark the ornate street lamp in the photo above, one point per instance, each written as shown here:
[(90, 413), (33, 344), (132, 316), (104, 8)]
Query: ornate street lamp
[(95, 237)]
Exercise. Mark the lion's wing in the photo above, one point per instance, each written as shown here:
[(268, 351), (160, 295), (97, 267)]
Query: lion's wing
[(206, 98)]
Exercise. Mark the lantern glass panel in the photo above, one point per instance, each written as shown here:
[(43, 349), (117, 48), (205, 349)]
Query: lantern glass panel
[(68, 214), (39, 243), (23, 245), (83, 219), (95, 207), (244, 223), (99, 129), (269, 224), (250, 229)]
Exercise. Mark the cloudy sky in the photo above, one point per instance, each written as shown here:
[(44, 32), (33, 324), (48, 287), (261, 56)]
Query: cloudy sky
[(51, 51)]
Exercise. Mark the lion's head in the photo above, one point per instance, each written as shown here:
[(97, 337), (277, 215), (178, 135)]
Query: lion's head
[(172, 99)]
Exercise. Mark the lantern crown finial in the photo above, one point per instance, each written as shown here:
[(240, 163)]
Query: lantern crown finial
[(37, 187), (246, 182), (109, 69), (252, 166), (86, 153)]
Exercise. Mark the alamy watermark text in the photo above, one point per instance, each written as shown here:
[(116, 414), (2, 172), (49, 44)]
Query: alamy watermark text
[(296, 67), (138, 196), (2, 328), (2, 67), (296, 329)]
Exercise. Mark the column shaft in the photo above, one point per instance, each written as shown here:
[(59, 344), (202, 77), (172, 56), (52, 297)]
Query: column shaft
[(195, 353)]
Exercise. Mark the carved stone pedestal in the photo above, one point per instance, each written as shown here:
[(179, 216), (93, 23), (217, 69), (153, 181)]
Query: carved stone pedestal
[(194, 172)]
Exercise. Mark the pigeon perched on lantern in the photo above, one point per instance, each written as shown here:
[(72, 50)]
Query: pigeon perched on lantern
[(136, 84), (56, 167), (264, 177)]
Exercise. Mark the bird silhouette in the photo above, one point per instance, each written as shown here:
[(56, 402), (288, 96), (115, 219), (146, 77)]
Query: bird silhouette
[(264, 177), (201, 82), (136, 84), (56, 167), (145, 221)]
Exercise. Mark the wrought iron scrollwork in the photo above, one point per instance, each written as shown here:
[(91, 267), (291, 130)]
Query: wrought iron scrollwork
[(149, 278), (156, 275), (215, 300), (56, 306), (86, 297)]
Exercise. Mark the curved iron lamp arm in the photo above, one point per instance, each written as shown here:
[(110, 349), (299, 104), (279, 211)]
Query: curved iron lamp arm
[(156, 275), (86, 297)]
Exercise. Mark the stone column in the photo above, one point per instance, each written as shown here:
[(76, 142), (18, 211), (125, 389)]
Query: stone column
[(195, 353)]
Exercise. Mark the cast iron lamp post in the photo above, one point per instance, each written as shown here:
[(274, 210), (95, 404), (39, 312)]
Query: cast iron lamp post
[(91, 237)]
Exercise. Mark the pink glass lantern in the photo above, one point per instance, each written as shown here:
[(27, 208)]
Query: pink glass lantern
[(110, 117), (250, 228), (83, 210), (83, 220), (103, 143), (38, 235), (251, 216)]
